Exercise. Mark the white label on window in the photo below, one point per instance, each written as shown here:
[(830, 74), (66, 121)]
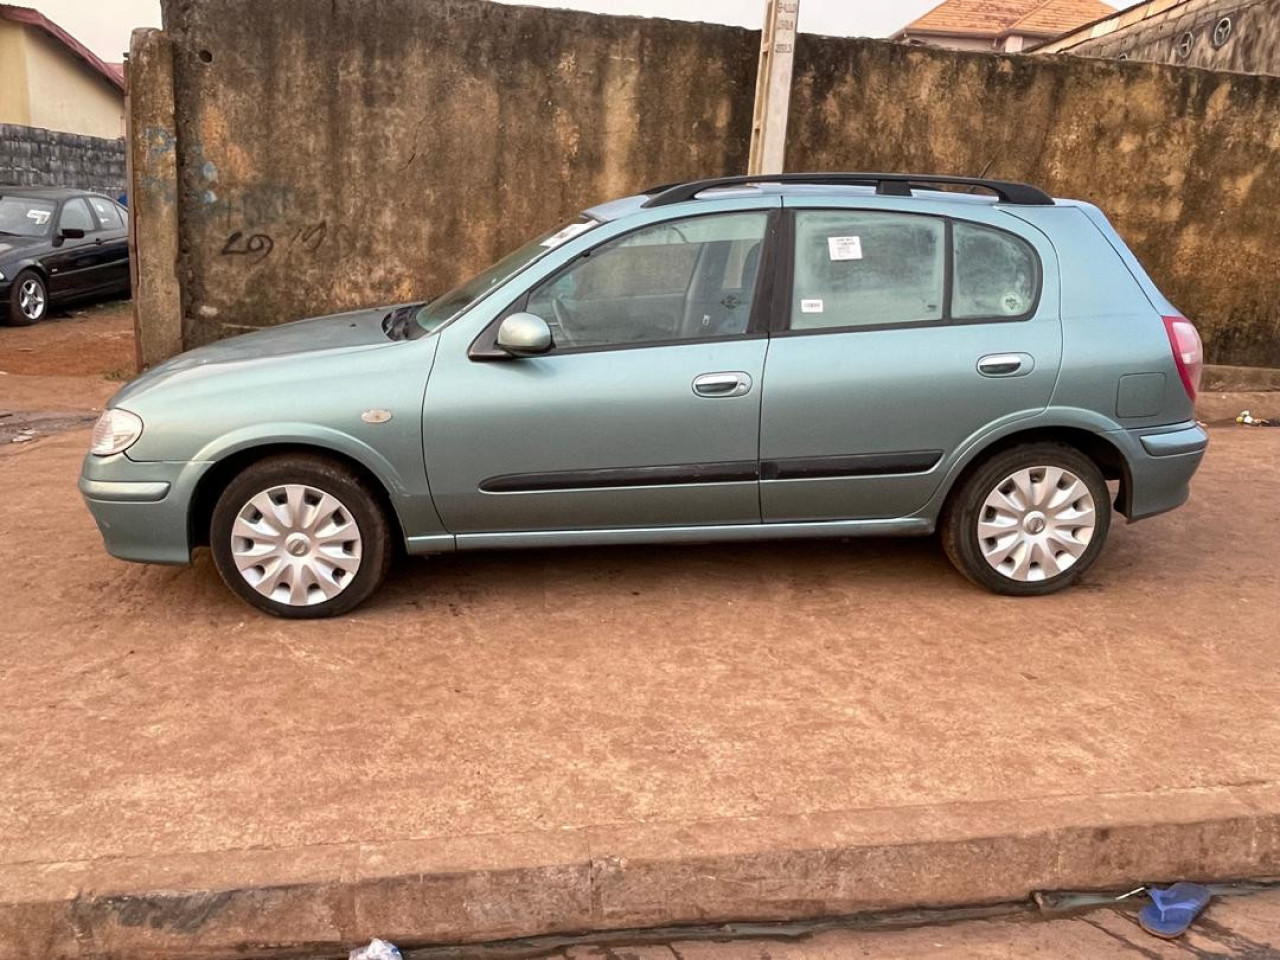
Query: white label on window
[(41, 217), (845, 248), (567, 234), (812, 306)]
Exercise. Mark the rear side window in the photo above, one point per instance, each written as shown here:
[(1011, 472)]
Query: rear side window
[(997, 274), (108, 213), (859, 269)]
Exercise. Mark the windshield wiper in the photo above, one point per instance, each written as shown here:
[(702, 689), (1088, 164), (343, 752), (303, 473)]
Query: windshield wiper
[(398, 323)]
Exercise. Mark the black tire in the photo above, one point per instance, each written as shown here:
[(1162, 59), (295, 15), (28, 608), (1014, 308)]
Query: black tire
[(14, 315), (964, 509), (327, 476)]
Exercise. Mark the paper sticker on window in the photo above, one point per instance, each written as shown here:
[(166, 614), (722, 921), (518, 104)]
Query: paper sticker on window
[(1013, 304), (812, 306), (845, 248), (567, 234), (41, 217)]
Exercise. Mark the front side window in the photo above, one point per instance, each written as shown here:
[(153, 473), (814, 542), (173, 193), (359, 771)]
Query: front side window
[(861, 269), (20, 217), (76, 216), (997, 274), (439, 311), (684, 280)]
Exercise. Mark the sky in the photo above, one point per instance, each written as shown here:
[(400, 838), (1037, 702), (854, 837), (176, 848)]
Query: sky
[(104, 25)]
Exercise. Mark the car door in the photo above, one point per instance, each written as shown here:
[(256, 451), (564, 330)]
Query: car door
[(74, 264), (113, 244), (646, 411), (905, 333)]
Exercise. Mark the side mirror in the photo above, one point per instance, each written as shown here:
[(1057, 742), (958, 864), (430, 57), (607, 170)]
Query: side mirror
[(524, 335), (71, 233)]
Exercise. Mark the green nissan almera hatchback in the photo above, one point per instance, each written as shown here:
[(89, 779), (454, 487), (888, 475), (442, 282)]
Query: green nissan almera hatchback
[(821, 355)]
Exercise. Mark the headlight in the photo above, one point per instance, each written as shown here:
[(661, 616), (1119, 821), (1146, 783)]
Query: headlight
[(115, 432)]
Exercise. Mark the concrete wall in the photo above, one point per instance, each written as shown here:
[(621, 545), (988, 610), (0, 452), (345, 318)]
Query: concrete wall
[(43, 85), (1155, 32), (35, 157), (340, 155), (1186, 163), (371, 151)]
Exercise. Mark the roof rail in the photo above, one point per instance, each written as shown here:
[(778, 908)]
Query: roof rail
[(886, 184)]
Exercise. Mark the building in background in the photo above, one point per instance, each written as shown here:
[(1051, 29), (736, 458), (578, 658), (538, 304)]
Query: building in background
[(1239, 35), (49, 80), (62, 111), (1008, 26)]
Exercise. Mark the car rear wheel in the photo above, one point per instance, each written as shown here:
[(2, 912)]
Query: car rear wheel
[(28, 299), (300, 537), (1029, 521)]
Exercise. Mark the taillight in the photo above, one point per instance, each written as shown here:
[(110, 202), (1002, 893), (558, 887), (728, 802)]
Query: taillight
[(1188, 352)]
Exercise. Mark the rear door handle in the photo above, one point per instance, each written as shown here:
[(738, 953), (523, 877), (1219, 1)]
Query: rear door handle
[(1006, 365), (730, 384)]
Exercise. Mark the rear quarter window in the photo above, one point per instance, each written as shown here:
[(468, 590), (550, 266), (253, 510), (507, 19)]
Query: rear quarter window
[(997, 275)]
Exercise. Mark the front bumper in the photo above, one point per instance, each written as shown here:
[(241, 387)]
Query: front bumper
[(141, 509), (1161, 464)]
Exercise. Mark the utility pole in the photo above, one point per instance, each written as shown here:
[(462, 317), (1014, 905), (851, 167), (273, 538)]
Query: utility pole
[(773, 87)]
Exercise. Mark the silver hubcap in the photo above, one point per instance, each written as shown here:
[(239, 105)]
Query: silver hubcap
[(296, 545), (31, 299), (1036, 523)]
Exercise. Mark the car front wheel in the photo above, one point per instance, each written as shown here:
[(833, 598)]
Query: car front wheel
[(1029, 521), (28, 299), (300, 537)]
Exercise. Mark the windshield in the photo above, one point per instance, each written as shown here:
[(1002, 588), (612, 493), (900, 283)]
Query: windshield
[(20, 217), (443, 309)]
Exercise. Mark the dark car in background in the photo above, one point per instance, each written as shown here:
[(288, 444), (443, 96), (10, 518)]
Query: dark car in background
[(58, 246)]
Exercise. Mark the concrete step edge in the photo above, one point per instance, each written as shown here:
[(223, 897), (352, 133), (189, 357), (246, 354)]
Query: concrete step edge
[(321, 900)]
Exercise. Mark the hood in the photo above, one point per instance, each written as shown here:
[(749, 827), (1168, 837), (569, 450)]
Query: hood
[(358, 330), (16, 245)]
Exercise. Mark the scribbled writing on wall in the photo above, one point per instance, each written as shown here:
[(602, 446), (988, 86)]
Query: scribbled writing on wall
[(258, 246)]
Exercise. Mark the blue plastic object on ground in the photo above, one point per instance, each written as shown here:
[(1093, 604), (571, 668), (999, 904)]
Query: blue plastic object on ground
[(1172, 910)]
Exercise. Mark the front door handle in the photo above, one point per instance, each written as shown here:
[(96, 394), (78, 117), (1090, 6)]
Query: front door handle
[(1006, 365), (730, 384)]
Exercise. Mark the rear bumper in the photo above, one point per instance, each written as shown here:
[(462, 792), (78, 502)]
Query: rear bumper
[(1161, 464), (141, 508)]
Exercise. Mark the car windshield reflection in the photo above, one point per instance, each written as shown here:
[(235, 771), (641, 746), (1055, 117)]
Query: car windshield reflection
[(23, 217)]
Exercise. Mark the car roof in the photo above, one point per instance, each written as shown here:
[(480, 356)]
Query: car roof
[(46, 193), (832, 186)]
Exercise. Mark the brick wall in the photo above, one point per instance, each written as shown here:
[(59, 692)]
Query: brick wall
[(35, 157)]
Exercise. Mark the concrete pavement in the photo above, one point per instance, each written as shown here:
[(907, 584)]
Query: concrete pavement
[(1243, 927), (512, 744)]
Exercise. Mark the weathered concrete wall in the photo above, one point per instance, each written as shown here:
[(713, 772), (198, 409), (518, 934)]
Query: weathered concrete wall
[(153, 228), (1186, 163), (369, 151), (338, 155), (36, 157)]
